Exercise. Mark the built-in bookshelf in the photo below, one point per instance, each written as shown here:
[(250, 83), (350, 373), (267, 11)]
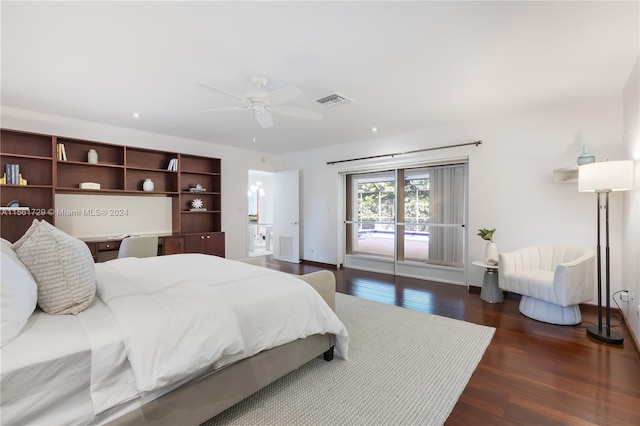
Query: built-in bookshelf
[(200, 179), (53, 164), (35, 155)]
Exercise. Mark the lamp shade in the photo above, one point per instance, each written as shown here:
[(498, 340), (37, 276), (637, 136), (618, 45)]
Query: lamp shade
[(605, 176)]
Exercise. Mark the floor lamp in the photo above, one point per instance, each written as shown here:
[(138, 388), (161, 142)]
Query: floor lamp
[(605, 177)]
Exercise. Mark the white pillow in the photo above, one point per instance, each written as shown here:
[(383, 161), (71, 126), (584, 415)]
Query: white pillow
[(62, 267), (18, 296)]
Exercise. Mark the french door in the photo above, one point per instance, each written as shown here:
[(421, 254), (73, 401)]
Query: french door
[(408, 221)]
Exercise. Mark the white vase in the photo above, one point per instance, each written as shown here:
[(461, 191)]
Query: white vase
[(491, 251), (148, 185), (92, 156)]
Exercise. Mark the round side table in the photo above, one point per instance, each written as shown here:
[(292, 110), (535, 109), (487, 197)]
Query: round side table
[(490, 292)]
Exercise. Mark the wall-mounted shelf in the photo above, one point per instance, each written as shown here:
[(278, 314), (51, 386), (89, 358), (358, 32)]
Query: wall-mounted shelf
[(565, 175)]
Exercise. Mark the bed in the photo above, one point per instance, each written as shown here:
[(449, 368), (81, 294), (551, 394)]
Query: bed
[(167, 340)]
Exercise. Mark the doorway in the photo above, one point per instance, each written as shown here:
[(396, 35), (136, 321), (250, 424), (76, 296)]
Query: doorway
[(260, 213)]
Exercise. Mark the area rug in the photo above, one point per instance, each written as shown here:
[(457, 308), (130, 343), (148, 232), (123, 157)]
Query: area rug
[(404, 368)]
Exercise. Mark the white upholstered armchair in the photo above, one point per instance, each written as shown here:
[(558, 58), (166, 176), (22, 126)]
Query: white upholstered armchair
[(552, 279)]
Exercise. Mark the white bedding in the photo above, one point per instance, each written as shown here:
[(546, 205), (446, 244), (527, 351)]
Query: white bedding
[(47, 369), (172, 326), (65, 369), (181, 313)]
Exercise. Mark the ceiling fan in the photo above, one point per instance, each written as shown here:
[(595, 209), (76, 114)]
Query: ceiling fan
[(263, 103)]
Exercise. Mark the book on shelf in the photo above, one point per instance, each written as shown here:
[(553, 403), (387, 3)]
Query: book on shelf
[(60, 152), (13, 174), (173, 165)]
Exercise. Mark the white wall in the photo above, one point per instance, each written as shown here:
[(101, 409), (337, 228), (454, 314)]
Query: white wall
[(235, 162), (510, 178), (631, 217)]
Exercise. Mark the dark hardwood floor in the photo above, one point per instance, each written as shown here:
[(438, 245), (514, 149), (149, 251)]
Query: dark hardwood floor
[(532, 373)]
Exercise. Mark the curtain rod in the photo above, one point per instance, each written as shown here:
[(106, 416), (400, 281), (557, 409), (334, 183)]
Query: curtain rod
[(476, 143)]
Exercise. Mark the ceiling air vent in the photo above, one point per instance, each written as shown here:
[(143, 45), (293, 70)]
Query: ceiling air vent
[(334, 99)]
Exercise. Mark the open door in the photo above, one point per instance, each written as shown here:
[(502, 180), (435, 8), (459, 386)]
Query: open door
[(286, 216)]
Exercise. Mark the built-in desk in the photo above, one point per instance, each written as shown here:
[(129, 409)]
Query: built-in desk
[(105, 248)]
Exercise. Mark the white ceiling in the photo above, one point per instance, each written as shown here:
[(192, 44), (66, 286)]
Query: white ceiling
[(406, 65)]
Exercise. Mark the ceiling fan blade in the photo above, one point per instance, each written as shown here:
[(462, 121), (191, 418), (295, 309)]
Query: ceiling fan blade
[(224, 92), (264, 119), (233, 108), (296, 112), (282, 95)]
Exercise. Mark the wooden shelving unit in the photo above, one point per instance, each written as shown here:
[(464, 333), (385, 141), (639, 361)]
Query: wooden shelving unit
[(119, 170), (34, 153), (196, 225)]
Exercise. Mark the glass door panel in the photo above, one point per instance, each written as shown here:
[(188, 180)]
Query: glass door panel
[(407, 219), (371, 216)]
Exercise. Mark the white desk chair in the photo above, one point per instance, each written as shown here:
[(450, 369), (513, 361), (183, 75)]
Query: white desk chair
[(138, 247)]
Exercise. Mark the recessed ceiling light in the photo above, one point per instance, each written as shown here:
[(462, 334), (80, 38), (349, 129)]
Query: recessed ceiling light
[(136, 115), (374, 129)]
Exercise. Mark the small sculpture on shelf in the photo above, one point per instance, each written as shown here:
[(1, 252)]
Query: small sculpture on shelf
[(13, 208), (197, 205), (197, 188)]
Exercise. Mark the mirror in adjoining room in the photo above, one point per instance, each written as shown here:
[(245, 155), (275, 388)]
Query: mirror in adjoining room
[(260, 213)]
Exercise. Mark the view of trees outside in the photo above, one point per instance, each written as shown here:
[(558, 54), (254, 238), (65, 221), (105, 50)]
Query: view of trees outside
[(416, 204), (376, 203)]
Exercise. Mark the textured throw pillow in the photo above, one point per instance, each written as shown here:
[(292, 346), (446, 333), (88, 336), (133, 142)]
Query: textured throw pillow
[(62, 267), (18, 296)]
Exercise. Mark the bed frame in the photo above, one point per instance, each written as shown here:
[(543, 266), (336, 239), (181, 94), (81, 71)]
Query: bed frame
[(200, 400)]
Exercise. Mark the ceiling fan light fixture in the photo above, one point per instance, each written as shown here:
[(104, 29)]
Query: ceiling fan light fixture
[(259, 80), (263, 103)]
